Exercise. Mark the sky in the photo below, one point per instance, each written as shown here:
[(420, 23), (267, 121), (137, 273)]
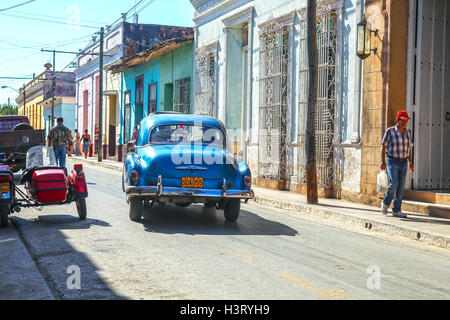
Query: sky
[(67, 25)]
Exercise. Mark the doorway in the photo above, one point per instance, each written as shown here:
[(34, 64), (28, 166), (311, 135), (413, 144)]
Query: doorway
[(429, 93)]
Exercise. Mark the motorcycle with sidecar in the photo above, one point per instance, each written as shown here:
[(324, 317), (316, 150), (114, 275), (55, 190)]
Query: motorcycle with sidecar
[(44, 184)]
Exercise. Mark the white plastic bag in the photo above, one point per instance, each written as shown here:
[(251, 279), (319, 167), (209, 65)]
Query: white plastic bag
[(382, 182)]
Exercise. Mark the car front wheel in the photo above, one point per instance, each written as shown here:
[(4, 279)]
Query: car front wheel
[(232, 210), (136, 209)]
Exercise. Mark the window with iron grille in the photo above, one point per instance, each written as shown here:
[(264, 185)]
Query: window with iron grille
[(127, 117), (152, 97), (183, 95), (205, 95), (326, 99), (273, 86), (139, 98)]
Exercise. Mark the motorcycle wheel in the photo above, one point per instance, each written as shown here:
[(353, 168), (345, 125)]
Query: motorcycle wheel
[(4, 213), (81, 208)]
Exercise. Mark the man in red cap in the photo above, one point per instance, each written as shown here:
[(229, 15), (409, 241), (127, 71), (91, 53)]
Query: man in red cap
[(396, 145)]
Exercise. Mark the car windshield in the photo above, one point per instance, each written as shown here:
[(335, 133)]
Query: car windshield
[(40, 156), (187, 134)]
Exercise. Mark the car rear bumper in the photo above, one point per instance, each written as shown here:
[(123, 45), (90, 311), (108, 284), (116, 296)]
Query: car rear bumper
[(190, 194)]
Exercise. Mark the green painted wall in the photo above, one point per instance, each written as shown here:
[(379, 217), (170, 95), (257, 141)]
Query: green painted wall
[(175, 65)]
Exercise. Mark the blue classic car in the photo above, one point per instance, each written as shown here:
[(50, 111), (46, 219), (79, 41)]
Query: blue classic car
[(184, 159)]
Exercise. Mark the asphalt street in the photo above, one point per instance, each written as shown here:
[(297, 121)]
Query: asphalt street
[(192, 253)]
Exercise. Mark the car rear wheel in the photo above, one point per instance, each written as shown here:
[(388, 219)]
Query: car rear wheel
[(4, 212), (232, 210), (136, 209)]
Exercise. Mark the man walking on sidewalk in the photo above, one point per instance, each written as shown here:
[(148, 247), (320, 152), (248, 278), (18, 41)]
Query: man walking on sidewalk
[(397, 144), (59, 137)]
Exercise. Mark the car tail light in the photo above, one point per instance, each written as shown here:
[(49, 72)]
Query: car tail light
[(134, 176), (247, 181), (152, 183), (230, 185), (6, 178)]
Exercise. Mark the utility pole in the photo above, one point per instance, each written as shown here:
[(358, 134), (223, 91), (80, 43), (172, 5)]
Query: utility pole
[(53, 89), (310, 143), (24, 98), (100, 98), (53, 101)]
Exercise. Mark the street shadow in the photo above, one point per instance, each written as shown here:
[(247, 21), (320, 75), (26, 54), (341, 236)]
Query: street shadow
[(57, 258), (197, 220)]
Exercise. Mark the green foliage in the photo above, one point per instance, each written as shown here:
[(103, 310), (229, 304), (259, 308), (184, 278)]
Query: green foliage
[(6, 109)]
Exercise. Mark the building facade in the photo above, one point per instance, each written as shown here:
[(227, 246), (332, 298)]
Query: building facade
[(120, 42), (38, 96), (410, 71), (158, 79), (251, 71)]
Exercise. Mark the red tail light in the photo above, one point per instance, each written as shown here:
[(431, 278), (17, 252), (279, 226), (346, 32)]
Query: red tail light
[(6, 178), (247, 181), (134, 176)]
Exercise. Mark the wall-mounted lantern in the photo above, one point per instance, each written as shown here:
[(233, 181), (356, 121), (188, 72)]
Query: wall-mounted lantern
[(364, 47)]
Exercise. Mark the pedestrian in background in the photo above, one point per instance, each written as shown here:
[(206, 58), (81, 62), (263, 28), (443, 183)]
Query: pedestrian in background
[(135, 133), (77, 143), (96, 135), (396, 145), (70, 145), (59, 138), (86, 139)]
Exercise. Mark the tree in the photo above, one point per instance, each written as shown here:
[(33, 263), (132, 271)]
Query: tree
[(310, 143), (7, 109)]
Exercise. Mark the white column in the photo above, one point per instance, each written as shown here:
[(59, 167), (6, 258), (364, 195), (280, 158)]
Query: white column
[(356, 132), (339, 74)]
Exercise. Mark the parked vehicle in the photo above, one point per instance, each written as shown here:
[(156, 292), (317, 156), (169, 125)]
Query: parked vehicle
[(12, 130), (184, 159), (45, 184)]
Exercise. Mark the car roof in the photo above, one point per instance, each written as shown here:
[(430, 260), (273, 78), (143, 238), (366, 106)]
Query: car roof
[(162, 118), (14, 117)]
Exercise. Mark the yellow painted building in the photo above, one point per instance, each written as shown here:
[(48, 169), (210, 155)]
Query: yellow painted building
[(34, 94)]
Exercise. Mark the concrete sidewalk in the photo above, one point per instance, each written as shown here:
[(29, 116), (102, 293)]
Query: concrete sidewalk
[(20, 278), (417, 226)]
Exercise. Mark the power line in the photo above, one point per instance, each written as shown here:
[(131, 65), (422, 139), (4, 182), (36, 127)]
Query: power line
[(49, 21), (53, 17), (18, 5)]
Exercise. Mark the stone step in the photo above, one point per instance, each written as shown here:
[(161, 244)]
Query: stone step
[(441, 197), (427, 208)]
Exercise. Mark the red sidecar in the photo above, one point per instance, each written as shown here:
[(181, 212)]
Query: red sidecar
[(46, 184)]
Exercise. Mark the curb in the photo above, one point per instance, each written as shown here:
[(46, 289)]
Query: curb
[(320, 212), (95, 163), (371, 224)]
